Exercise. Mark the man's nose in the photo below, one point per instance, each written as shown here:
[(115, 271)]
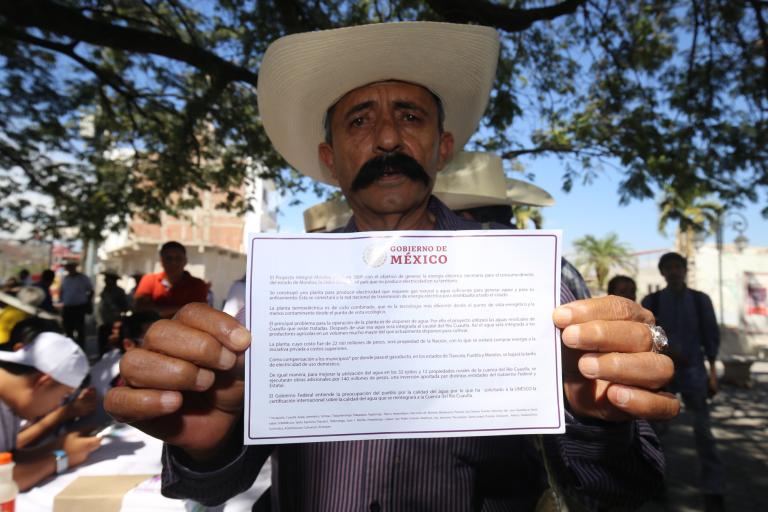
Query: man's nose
[(388, 138)]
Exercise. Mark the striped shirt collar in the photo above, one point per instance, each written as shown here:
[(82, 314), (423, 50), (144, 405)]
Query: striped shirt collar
[(445, 219)]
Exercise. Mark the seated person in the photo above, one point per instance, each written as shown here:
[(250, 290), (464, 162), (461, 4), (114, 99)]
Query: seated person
[(33, 381), (105, 374), (23, 334)]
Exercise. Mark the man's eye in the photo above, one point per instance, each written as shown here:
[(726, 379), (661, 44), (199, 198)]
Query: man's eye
[(410, 117), (358, 121)]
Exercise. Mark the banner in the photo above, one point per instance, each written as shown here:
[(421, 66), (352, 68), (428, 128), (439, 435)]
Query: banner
[(756, 303)]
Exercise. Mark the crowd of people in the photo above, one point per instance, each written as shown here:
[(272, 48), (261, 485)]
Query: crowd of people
[(51, 389)]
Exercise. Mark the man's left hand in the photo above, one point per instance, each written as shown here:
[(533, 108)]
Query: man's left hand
[(610, 372), (712, 386)]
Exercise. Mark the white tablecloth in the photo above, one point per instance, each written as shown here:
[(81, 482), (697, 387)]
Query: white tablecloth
[(129, 452)]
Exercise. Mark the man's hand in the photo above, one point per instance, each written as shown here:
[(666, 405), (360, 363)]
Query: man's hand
[(609, 371), (712, 385), (83, 405), (79, 447), (185, 385)]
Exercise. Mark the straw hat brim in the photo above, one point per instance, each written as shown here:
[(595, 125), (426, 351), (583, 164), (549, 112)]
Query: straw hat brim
[(527, 194), (532, 196), (476, 179), (302, 75), (26, 308)]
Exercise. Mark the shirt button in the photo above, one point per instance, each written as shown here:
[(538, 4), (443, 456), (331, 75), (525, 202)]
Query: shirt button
[(375, 507)]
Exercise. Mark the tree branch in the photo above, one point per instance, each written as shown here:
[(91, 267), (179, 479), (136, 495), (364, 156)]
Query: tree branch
[(546, 148), (763, 29), (65, 21), (118, 84), (505, 18)]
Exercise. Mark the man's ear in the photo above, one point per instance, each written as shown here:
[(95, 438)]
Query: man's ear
[(17, 346), (42, 379), (128, 344), (445, 150), (325, 152)]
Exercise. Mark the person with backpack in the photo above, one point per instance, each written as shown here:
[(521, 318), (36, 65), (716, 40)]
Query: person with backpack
[(689, 320)]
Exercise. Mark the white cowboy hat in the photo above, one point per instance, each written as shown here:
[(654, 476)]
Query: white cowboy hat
[(302, 75), (472, 179), (327, 216), (27, 299)]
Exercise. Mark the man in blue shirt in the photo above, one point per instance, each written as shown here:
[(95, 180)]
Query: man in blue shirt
[(689, 320)]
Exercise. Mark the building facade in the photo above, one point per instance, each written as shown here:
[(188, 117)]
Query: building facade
[(214, 239)]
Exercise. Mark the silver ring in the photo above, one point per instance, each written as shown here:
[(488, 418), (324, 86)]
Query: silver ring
[(659, 340)]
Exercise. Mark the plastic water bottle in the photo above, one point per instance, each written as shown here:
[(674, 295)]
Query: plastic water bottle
[(8, 488)]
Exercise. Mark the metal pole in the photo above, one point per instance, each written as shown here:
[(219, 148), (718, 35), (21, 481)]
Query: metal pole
[(720, 266)]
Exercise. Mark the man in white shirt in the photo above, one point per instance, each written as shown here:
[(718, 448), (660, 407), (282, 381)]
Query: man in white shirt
[(76, 295)]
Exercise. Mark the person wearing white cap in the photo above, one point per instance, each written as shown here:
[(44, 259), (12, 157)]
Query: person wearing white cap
[(378, 110), (34, 380)]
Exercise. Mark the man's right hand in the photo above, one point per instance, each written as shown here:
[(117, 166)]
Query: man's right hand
[(185, 384)]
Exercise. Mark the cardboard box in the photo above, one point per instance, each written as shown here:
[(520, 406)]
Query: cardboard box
[(96, 493)]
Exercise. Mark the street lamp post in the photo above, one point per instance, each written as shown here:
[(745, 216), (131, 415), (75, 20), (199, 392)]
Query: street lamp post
[(737, 222)]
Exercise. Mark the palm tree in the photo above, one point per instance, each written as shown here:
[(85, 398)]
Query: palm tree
[(601, 255), (523, 215), (693, 215)]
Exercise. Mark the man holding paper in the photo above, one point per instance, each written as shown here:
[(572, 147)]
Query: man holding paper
[(379, 110)]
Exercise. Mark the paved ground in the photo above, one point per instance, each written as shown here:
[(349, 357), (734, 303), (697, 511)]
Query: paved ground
[(740, 424)]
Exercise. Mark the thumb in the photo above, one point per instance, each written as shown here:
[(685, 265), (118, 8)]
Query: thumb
[(93, 443)]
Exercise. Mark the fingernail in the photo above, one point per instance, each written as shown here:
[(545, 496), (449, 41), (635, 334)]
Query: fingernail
[(226, 359), (571, 335), (169, 401), (204, 379), (588, 365), (562, 316), (240, 338), (623, 395)]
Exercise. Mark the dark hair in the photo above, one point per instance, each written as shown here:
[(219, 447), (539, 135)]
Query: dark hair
[(132, 327), (47, 275), (17, 369), (27, 330), (172, 245), (332, 108), (672, 256), (23, 273), (616, 280)]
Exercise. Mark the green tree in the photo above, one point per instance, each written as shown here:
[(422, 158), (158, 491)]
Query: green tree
[(523, 216), (599, 255), (112, 108), (692, 213)]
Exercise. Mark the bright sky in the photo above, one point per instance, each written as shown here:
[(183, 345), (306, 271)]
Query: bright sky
[(587, 210)]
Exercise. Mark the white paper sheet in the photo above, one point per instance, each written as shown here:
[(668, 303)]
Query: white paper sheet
[(402, 334)]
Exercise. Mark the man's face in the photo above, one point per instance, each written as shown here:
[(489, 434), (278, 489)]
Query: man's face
[(386, 118), (173, 261), (41, 397), (674, 272)]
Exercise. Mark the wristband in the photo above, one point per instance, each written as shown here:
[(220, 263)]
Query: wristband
[(62, 461)]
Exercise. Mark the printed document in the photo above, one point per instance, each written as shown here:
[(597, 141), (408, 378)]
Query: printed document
[(402, 334)]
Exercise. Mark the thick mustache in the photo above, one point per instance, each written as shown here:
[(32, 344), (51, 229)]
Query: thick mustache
[(399, 163)]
